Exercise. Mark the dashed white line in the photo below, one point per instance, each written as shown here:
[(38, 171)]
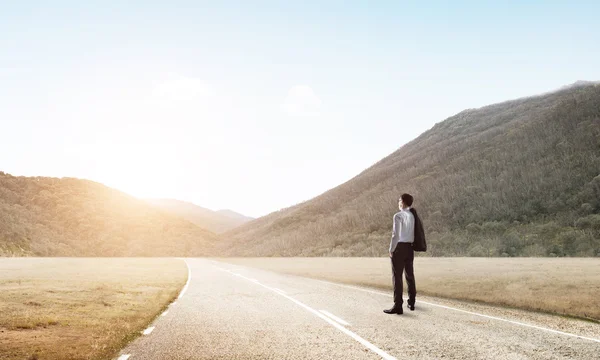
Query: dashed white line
[(124, 357), (148, 330), (341, 321), (465, 311), (353, 335), (468, 312)]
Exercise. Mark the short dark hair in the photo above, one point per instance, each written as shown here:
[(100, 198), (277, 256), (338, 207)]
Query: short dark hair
[(407, 199)]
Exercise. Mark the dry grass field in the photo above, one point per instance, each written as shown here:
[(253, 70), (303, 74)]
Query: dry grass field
[(566, 286), (81, 308)]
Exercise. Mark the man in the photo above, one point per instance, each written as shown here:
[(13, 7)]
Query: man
[(402, 254)]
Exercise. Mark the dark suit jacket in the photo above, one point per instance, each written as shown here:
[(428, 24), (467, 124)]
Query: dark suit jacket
[(419, 244)]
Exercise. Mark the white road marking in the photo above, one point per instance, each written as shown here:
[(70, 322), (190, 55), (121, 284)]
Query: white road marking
[(279, 290), (148, 330), (183, 290), (187, 283), (341, 321), (468, 312), (463, 311), (356, 337)]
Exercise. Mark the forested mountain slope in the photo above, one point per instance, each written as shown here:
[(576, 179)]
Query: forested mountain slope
[(72, 217), (519, 178)]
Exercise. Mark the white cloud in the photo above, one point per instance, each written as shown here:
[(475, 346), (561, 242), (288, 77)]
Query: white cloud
[(182, 89), (301, 100)]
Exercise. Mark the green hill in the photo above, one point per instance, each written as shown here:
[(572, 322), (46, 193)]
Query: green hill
[(519, 178), (72, 217)]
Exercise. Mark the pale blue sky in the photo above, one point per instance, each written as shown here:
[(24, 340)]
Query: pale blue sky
[(258, 105)]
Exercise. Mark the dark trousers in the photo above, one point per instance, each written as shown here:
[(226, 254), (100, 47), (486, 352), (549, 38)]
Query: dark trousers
[(402, 261)]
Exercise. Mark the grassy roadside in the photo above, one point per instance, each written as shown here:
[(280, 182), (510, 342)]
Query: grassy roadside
[(565, 286), (81, 308)]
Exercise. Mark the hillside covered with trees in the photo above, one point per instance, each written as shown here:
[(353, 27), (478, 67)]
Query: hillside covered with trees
[(519, 178), (71, 217)]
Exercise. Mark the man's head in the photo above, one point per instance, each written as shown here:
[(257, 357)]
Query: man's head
[(406, 200)]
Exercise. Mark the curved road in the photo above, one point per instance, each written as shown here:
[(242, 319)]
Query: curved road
[(234, 312)]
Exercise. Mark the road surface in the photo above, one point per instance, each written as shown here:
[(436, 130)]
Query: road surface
[(232, 312)]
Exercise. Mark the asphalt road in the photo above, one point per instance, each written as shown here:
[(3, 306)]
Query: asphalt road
[(233, 312)]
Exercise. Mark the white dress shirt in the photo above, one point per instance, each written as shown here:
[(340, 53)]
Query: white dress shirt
[(403, 230)]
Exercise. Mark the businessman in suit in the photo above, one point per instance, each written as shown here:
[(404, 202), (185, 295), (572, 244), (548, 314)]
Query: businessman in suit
[(402, 254)]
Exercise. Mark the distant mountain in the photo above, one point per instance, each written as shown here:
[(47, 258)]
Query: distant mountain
[(519, 178), (71, 217), (234, 215), (216, 221)]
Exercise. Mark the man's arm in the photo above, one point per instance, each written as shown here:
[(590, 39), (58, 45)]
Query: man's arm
[(395, 234)]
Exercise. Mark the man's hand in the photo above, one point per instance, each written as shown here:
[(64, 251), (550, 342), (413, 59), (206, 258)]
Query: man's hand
[(391, 253)]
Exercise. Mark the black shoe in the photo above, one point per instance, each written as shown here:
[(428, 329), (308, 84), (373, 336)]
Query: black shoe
[(394, 310), (411, 306)]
